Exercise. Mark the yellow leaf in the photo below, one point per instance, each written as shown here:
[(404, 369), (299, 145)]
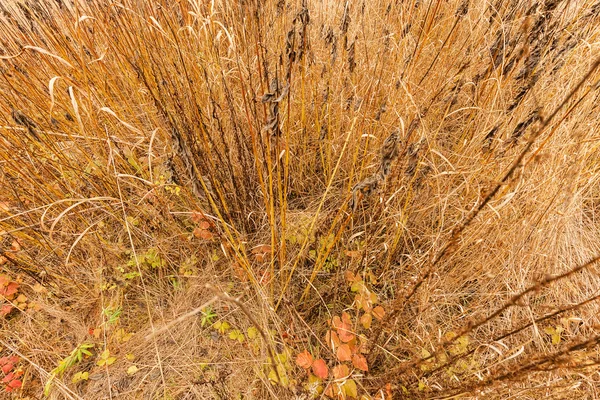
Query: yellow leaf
[(349, 388), (80, 376), (111, 360), (365, 320), (130, 357), (252, 332), (132, 370), (273, 376)]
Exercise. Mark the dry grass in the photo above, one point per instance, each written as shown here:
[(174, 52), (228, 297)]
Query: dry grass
[(149, 148)]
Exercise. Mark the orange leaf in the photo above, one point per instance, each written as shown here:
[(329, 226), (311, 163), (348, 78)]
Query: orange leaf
[(198, 217), (320, 369), (341, 371), (304, 359), (204, 224), (5, 310), (346, 318), (332, 339), (329, 392), (379, 312), (203, 233), (352, 253), (365, 320), (360, 362), (349, 275), (261, 249), (345, 333), (337, 322), (344, 353), (10, 289)]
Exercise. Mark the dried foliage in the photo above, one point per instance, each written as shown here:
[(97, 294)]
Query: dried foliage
[(296, 199)]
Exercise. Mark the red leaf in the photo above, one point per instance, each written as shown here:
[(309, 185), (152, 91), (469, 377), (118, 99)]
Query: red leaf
[(3, 360), (344, 353), (8, 377), (6, 368), (304, 359), (15, 384), (320, 369), (360, 362), (14, 359)]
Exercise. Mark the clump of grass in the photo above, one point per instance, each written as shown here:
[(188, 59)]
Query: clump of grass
[(148, 149)]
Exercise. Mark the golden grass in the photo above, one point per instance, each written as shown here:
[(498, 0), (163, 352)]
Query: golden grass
[(149, 148)]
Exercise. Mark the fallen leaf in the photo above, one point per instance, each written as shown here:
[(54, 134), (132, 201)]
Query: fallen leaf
[(304, 359), (360, 362), (320, 369)]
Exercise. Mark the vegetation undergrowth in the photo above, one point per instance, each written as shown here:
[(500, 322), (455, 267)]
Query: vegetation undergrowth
[(299, 199)]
